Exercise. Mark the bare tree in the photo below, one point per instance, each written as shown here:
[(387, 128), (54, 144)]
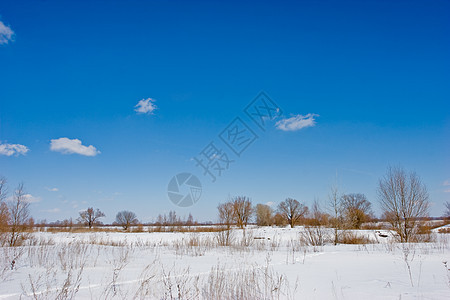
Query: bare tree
[(318, 217), (357, 209), (447, 212), (126, 218), (19, 214), (226, 219), (242, 210), (90, 216), (173, 219), (335, 205), (315, 234), (279, 220), (5, 217), (404, 200), (4, 212), (264, 215), (190, 220), (226, 214), (292, 211)]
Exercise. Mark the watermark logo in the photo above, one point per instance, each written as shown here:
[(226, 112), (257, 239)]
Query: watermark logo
[(225, 149), (184, 189), (262, 109), (238, 136)]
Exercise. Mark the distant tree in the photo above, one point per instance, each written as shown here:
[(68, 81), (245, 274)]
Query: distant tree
[(336, 208), (89, 217), (357, 210), (68, 223), (19, 214), (161, 220), (279, 220), (172, 218), (126, 218), (242, 210), (264, 215), (226, 214), (447, 207), (5, 217), (404, 199), (317, 216), (292, 211), (226, 219), (190, 220), (4, 210)]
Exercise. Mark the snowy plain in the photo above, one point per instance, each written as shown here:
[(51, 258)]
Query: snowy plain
[(261, 263)]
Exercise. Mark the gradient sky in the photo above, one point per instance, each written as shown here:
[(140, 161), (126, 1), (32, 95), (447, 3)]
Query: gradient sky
[(374, 75)]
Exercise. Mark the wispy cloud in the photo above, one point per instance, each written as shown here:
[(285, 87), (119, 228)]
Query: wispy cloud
[(6, 34), (145, 106), (13, 149), (446, 182), (52, 189), (296, 122), (53, 210), (68, 146), (31, 199)]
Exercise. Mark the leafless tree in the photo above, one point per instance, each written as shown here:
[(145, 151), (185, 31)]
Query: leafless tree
[(173, 219), (447, 207), (190, 220), (19, 214), (126, 219), (226, 219), (315, 233), (292, 211), (5, 217), (264, 215), (318, 217), (242, 210), (90, 216), (404, 200), (357, 209), (335, 205), (4, 213), (226, 214), (279, 220)]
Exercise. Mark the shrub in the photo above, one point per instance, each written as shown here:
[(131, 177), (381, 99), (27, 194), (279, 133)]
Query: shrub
[(349, 237)]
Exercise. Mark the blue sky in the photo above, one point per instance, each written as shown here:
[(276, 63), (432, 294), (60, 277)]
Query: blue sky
[(374, 77)]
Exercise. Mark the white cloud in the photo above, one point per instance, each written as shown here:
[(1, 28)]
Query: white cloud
[(446, 183), (31, 199), (145, 106), (52, 189), (296, 122), (6, 34), (68, 146), (13, 149), (270, 203)]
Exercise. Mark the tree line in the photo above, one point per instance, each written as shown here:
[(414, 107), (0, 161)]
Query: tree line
[(402, 196)]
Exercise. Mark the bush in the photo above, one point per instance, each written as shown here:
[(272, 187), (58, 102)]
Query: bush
[(444, 230), (349, 237)]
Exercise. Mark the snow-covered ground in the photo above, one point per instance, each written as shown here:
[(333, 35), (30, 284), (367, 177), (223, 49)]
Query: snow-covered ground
[(265, 263)]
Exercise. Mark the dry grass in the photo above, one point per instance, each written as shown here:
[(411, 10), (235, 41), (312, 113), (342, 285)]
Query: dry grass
[(349, 237), (444, 230), (185, 229), (82, 229)]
